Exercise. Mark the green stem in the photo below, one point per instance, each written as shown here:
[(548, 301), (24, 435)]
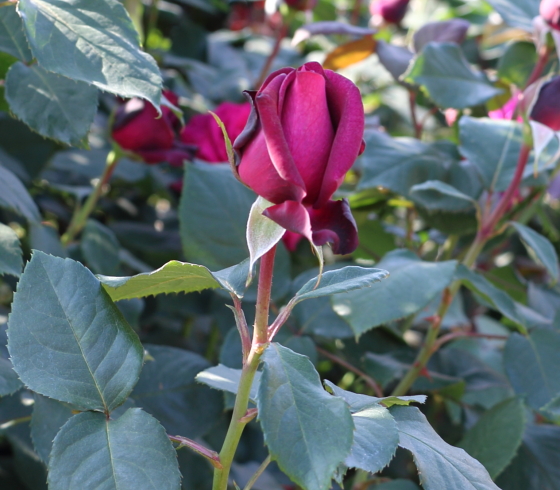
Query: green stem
[(82, 213), (258, 473), (12, 422), (259, 344), (485, 232)]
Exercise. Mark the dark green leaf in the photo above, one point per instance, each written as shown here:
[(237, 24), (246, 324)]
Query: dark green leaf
[(52, 105), (412, 284), (499, 299), (14, 196), (497, 435), (100, 248), (540, 247), (398, 484), (441, 68), (99, 42), (440, 465), (358, 402), (532, 364), (234, 278), (12, 36), (223, 378), (536, 464), (307, 431), (10, 252), (340, 281), (517, 63), (48, 417), (9, 381), (131, 452), (517, 13), (214, 210), (173, 277), (375, 439), (45, 238), (435, 194), (493, 147), (67, 339), (167, 390)]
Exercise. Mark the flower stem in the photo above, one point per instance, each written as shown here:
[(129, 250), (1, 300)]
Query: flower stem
[(485, 232), (259, 344), (544, 53), (280, 34), (82, 213)]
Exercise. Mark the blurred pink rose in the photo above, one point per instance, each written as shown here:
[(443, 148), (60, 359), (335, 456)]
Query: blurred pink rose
[(550, 12), (203, 131), (507, 110), (392, 11)]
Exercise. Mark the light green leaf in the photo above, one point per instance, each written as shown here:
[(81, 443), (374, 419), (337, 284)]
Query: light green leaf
[(492, 146), (308, 432), (168, 391), (342, 280), (441, 68), (434, 195), (262, 232), (412, 284), (14, 196), (133, 451), (173, 277), (67, 340), (12, 36), (358, 402), (440, 465), (540, 247), (91, 41), (517, 63), (532, 364), (52, 105), (375, 439), (497, 435), (223, 378), (213, 215), (11, 261)]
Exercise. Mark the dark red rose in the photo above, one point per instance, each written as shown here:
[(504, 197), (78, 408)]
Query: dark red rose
[(304, 133), (546, 109), (392, 11), (550, 12), (203, 131), (138, 129)]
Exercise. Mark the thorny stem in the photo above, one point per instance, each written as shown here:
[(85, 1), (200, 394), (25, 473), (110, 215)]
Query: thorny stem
[(280, 34), (485, 232), (81, 214), (258, 473), (367, 379), (239, 417)]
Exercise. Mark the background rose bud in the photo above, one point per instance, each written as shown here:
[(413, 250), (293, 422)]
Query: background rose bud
[(203, 131), (392, 11), (546, 109), (304, 133), (550, 12), (138, 128)]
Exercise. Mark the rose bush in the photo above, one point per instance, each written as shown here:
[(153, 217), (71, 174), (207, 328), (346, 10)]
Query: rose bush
[(138, 128), (304, 133)]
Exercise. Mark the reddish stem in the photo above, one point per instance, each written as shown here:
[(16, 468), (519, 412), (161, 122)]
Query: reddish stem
[(368, 379), (280, 34), (458, 335), (539, 67), (260, 335), (487, 229)]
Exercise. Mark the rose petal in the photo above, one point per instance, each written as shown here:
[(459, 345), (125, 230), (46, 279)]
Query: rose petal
[(347, 112), (335, 224), (291, 215)]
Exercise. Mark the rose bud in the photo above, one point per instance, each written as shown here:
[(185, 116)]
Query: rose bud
[(546, 107), (301, 4), (203, 131), (304, 133), (550, 12), (138, 128), (392, 11)]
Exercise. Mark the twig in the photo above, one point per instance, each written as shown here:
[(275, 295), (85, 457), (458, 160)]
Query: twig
[(258, 473), (280, 34), (457, 335), (367, 379)]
